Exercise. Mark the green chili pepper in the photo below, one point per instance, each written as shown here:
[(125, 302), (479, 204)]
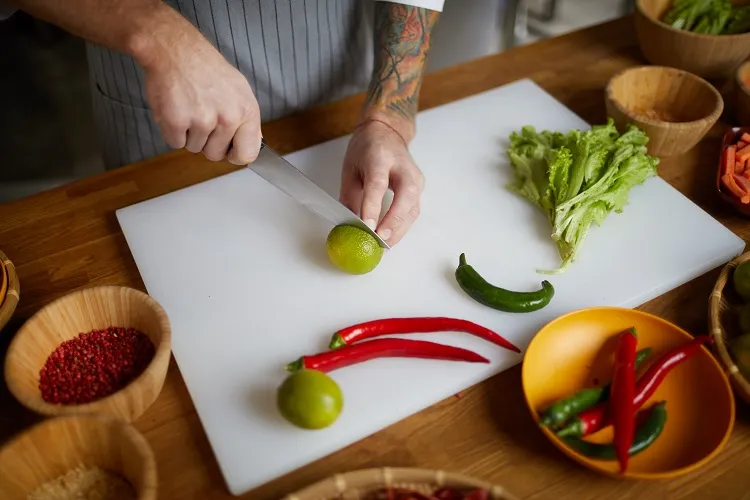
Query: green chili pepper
[(499, 298), (644, 437), (560, 411)]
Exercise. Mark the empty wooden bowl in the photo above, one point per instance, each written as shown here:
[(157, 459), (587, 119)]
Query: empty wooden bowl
[(709, 56), (673, 107), (724, 324), (742, 94), (576, 350), (83, 311), (55, 446), (358, 484), (12, 290)]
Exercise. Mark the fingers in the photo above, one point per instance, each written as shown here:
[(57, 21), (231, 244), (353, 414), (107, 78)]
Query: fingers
[(351, 191), (198, 134), (375, 185), (174, 129), (407, 190), (246, 144)]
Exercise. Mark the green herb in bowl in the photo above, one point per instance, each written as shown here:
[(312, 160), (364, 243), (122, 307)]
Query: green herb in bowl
[(708, 17)]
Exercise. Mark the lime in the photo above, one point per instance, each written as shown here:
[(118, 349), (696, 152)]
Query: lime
[(741, 280), (741, 353), (310, 399), (353, 250), (743, 312)]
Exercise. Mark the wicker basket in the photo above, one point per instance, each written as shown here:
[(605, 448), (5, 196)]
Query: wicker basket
[(723, 324), (355, 485), (13, 292)]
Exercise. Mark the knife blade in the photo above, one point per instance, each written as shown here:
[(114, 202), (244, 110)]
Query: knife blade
[(287, 178)]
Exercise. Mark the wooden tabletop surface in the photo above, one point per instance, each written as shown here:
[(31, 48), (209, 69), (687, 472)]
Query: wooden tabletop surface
[(69, 238)]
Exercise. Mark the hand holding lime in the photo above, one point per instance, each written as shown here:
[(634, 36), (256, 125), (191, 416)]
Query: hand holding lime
[(741, 280), (353, 250), (310, 399)]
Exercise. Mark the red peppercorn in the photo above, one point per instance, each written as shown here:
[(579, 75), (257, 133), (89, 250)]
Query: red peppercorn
[(94, 365)]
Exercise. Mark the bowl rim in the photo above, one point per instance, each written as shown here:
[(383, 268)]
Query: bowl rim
[(146, 457), (653, 20), (39, 405), (709, 118), (9, 303), (591, 463)]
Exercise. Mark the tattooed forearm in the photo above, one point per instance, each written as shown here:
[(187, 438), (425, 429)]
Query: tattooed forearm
[(402, 40)]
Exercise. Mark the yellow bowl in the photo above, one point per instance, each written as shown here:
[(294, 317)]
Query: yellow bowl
[(577, 350)]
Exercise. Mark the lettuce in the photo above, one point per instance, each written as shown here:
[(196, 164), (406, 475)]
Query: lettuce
[(578, 178)]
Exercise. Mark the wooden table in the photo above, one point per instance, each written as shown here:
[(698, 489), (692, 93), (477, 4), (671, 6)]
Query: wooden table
[(69, 238)]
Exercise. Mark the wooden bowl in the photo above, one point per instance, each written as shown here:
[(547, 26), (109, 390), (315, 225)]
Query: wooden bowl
[(55, 446), (83, 311), (577, 350), (356, 485), (709, 56), (645, 95), (9, 299), (730, 136), (742, 94), (724, 326)]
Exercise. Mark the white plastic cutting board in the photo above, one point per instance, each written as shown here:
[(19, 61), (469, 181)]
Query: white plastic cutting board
[(241, 270)]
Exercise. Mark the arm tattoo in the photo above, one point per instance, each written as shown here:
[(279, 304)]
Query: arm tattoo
[(402, 40)]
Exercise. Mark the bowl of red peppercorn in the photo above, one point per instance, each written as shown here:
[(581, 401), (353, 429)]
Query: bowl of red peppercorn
[(97, 350)]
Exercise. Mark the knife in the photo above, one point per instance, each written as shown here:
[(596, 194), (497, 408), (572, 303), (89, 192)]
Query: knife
[(284, 176)]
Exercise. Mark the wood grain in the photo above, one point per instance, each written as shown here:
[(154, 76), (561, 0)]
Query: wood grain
[(94, 308), (52, 448), (68, 238)]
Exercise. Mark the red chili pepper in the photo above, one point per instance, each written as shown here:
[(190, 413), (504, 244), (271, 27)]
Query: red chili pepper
[(622, 396), (597, 417), (383, 348), (391, 326)]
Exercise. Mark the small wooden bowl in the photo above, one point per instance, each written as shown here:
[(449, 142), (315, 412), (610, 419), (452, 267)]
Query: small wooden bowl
[(730, 136), (9, 299), (83, 311), (576, 350), (693, 106), (723, 324), (356, 485), (56, 446), (709, 56), (742, 94)]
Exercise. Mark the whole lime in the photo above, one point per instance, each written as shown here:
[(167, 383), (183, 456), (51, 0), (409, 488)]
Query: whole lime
[(310, 399), (353, 250), (740, 347), (741, 280), (743, 312)]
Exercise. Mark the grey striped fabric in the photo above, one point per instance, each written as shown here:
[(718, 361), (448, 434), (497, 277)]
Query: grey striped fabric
[(294, 53)]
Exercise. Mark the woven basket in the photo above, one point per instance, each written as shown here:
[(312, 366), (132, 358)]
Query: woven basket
[(355, 485), (9, 302), (723, 324)]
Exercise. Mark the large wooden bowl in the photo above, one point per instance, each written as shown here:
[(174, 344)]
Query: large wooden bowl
[(709, 56), (83, 311), (358, 484), (723, 324), (690, 103), (55, 446), (742, 94), (12, 290)]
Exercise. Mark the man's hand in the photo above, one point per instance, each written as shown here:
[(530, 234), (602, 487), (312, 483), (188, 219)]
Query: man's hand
[(202, 103), (377, 158)]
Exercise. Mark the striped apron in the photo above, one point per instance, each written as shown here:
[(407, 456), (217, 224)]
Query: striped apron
[(295, 54)]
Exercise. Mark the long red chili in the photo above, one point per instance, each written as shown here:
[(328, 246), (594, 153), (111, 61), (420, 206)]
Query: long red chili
[(391, 326), (622, 396), (597, 417), (383, 348)]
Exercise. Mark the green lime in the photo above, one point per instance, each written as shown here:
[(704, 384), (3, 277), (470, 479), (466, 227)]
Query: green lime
[(740, 347), (310, 399), (353, 250), (741, 280), (743, 312)]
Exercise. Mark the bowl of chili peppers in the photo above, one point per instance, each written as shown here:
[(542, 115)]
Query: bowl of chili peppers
[(622, 392), (97, 350)]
